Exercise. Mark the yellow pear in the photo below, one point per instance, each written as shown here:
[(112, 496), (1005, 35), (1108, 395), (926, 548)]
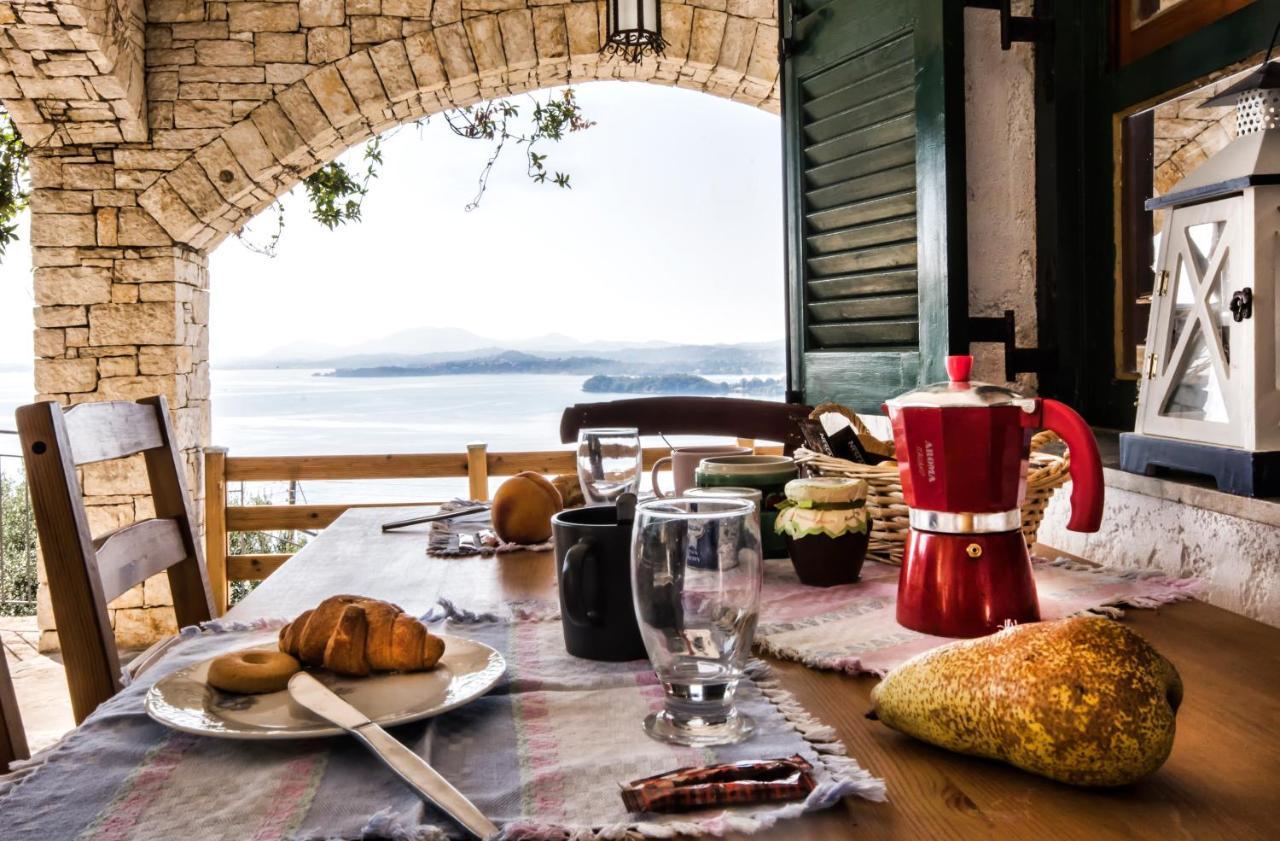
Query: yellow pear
[(1085, 701)]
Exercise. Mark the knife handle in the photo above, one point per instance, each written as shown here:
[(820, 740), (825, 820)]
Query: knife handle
[(415, 771)]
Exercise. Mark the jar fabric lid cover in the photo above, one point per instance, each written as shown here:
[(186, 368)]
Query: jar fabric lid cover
[(826, 489)]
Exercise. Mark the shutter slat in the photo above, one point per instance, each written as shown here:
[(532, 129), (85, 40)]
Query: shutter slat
[(862, 236), (867, 63), (882, 133), (859, 213), (868, 186), (857, 334), (899, 255), (864, 89), (862, 309), (863, 283), (872, 160), (861, 116)]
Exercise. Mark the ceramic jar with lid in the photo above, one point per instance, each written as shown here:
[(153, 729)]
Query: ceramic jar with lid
[(827, 529)]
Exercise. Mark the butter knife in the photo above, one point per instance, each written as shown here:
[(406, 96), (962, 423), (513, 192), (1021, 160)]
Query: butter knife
[(407, 765)]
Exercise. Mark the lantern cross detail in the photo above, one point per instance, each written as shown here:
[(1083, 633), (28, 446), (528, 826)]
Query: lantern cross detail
[(1202, 284)]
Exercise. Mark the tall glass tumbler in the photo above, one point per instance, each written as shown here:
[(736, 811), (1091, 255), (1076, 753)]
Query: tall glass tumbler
[(609, 463), (697, 573)]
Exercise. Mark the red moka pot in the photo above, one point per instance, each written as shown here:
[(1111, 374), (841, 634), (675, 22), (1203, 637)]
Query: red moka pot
[(962, 452)]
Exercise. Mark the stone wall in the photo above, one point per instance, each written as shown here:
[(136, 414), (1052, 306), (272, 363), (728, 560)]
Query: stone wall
[(133, 184)]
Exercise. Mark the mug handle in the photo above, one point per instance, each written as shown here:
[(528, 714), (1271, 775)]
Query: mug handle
[(575, 563), (653, 476)]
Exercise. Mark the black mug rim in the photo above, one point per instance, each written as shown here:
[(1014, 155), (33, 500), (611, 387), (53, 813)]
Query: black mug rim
[(560, 517)]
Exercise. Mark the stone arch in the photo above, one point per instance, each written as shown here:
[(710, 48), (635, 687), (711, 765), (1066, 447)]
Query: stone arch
[(486, 54)]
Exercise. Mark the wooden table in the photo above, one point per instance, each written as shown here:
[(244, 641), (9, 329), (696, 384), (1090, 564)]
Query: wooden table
[(1222, 781)]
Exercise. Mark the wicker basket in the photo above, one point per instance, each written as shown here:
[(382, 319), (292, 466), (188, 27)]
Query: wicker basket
[(1046, 473)]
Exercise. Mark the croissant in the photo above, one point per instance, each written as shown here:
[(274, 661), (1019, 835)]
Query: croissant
[(354, 635)]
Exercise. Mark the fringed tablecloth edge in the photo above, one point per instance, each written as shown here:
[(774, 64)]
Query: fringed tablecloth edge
[(845, 778)]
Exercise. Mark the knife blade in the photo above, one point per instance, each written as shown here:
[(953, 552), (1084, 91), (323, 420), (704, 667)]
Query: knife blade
[(406, 764)]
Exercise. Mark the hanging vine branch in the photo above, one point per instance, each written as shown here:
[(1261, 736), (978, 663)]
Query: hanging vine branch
[(337, 195)]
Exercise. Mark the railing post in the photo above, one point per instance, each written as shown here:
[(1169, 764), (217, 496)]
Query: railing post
[(215, 524), (478, 470)]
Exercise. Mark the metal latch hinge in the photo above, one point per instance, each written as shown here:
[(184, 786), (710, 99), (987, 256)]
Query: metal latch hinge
[(1151, 365), (1039, 29), (1162, 283)]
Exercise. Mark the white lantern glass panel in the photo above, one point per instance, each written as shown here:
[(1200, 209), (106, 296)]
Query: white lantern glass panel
[(1196, 393)]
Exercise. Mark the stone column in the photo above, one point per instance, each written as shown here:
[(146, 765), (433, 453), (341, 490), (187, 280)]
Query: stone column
[(122, 312)]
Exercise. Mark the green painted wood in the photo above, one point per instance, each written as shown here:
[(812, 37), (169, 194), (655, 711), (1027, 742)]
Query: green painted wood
[(873, 141)]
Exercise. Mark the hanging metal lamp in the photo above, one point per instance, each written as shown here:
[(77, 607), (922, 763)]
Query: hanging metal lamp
[(634, 29)]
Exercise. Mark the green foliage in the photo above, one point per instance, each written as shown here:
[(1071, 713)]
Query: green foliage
[(14, 191), (336, 196), (17, 550), (260, 543)]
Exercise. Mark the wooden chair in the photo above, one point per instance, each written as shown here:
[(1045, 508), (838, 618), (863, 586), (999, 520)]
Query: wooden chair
[(13, 741), (84, 573), (731, 416)]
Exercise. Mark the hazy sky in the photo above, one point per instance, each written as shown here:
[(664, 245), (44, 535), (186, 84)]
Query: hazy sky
[(672, 231)]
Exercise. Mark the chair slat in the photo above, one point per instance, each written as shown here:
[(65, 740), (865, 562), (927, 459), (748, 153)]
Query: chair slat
[(104, 431), (134, 553)]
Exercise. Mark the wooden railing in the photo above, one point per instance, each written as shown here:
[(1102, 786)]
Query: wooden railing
[(477, 465)]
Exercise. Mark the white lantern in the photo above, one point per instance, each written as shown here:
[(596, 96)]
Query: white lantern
[(1209, 401)]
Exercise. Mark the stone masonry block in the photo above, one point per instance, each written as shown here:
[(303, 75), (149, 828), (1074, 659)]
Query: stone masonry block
[(152, 323), (706, 38), (486, 44), (262, 17), (322, 12), (66, 375), (424, 58), (72, 285), (121, 476), (134, 226), (392, 63), (550, 34), (455, 53), (63, 229), (328, 43), (517, 39), (166, 206), (331, 93)]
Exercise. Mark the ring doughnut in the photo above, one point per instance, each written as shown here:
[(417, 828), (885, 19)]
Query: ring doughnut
[(252, 672)]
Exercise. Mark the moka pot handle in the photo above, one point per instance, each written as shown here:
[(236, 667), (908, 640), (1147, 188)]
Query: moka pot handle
[(1086, 464)]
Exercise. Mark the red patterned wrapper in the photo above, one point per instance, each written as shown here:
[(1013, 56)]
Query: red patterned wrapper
[(737, 783)]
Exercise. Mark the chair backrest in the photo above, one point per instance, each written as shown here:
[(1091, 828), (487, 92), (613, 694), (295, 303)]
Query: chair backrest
[(13, 741), (86, 573), (731, 416)]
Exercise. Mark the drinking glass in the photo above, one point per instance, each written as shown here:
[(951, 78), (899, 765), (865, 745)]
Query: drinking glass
[(697, 572), (609, 462)]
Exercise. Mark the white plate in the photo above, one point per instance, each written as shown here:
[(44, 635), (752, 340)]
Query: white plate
[(185, 701)]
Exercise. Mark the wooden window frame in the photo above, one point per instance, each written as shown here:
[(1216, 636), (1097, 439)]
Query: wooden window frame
[(1132, 43)]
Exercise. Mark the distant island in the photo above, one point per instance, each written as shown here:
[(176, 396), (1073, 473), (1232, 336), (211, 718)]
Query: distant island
[(694, 361), (507, 362), (680, 384)]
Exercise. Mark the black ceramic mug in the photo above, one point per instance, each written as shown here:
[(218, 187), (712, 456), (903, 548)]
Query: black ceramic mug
[(593, 570)]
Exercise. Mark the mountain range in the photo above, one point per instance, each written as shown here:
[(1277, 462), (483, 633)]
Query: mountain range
[(428, 351)]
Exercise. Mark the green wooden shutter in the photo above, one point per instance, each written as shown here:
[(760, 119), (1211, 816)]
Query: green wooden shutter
[(873, 144)]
